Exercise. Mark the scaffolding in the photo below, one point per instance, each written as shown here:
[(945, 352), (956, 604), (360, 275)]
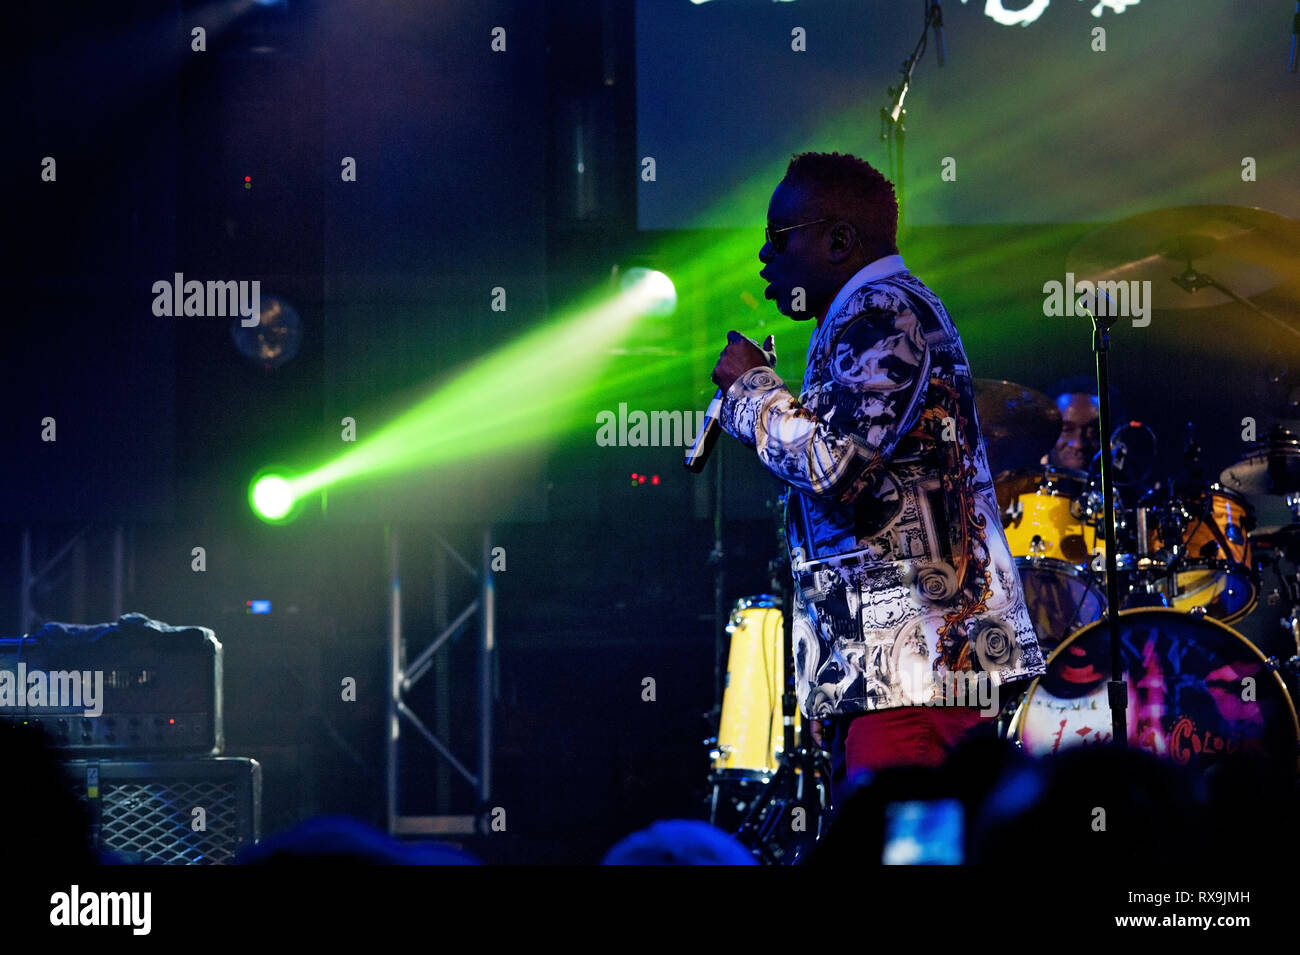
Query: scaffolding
[(403, 675)]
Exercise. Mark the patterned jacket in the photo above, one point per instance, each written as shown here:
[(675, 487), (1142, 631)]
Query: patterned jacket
[(905, 590)]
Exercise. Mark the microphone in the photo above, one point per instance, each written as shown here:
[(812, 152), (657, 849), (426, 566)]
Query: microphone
[(1089, 302), (706, 437), (936, 20), (1118, 453)]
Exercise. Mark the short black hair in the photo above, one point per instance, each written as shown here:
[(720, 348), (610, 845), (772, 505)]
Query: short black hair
[(845, 187), (1087, 385), (1075, 385)]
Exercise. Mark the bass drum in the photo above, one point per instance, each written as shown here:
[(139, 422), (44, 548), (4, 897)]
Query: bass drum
[(1197, 691), (750, 739), (1061, 598)]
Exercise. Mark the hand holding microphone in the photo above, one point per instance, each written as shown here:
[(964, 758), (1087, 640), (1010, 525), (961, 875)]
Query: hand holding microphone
[(738, 357)]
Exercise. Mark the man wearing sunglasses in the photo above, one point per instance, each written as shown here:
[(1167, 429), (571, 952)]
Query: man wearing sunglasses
[(909, 616)]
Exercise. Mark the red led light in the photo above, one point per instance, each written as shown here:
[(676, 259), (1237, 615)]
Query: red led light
[(655, 479), (641, 479), (172, 721)]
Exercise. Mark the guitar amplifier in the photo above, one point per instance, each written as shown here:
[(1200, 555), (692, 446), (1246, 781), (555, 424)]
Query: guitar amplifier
[(171, 812), (136, 686)]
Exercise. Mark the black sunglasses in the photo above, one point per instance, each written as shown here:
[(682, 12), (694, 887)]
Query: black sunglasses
[(779, 244)]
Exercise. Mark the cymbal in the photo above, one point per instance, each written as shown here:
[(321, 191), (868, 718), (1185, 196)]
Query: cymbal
[(1019, 424), (1244, 249), (1270, 467)]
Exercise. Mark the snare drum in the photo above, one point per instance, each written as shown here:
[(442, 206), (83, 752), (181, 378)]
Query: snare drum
[(1206, 529), (750, 739), (1197, 691)]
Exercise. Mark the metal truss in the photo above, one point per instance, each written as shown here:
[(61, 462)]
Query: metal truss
[(404, 674)]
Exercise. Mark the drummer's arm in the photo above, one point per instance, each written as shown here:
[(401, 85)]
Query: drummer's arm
[(874, 395)]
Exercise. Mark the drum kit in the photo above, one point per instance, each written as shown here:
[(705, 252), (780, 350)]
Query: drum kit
[(1190, 561), (1189, 558)]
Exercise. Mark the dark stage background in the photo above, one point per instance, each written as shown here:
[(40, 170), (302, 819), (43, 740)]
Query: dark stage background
[(468, 178)]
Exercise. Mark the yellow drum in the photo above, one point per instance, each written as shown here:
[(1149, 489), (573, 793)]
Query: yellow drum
[(1206, 530), (1041, 515), (750, 739)]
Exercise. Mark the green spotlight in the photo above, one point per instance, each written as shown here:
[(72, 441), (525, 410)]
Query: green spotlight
[(543, 385), (272, 497), (655, 289)]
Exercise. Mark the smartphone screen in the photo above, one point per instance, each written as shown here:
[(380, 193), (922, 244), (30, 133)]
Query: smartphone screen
[(924, 832)]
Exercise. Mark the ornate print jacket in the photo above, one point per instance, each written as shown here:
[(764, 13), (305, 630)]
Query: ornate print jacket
[(905, 590)]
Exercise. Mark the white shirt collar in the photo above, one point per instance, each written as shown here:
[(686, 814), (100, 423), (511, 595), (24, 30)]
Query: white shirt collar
[(868, 273)]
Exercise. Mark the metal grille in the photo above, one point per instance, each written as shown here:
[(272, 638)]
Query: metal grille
[(156, 820), (146, 808)]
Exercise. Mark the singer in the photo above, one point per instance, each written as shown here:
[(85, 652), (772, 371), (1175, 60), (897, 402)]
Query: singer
[(903, 581)]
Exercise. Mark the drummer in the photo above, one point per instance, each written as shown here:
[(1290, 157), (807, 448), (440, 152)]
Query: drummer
[(1080, 438)]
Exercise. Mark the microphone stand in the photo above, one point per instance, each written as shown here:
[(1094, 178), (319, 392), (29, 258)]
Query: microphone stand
[(717, 558), (1117, 688), (892, 116), (803, 774)]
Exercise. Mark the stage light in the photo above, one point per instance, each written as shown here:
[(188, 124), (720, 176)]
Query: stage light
[(528, 393), (275, 339), (657, 289), (272, 497)]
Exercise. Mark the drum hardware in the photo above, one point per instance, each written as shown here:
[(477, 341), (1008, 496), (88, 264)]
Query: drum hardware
[(1274, 547), (1194, 256), (1013, 512), (1197, 548), (1134, 447), (1041, 515), (767, 766), (1144, 594), (802, 772)]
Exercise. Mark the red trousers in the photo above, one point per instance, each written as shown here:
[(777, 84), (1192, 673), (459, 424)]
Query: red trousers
[(907, 736)]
